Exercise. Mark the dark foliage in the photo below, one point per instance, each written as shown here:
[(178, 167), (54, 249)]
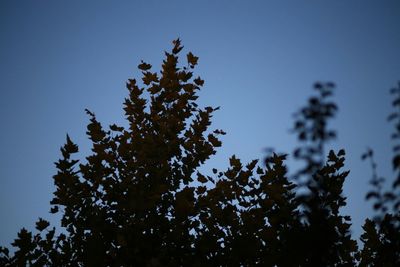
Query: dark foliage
[(312, 131), (381, 236), (140, 200)]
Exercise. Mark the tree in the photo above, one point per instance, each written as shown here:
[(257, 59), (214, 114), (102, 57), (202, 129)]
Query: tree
[(382, 235), (140, 200)]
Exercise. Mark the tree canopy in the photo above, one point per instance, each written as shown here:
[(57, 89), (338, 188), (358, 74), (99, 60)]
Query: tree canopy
[(139, 198)]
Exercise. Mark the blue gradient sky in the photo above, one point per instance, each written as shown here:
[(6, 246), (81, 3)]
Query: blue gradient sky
[(259, 60)]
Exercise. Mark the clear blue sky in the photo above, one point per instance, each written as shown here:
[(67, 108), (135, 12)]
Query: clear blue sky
[(259, 60)]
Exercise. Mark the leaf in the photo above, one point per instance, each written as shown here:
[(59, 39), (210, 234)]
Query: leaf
[(5, 251), (394, 90), (201, 190), (396, 183), (219, 131), (201, 178), (317, 85), (149, 78), (116, 128), (42, 224), (389, 196), (185, 76), (91, 114), (54, 209), (199, 81), (209, 109), (214, 141), (177, 46), (392, 116), (70, 147), (372, 195), (377, 206), (330, 84), (144, 66), (396, 162), (235, 162), (396, 102), (331, 156), (364, 156), (192, 60)]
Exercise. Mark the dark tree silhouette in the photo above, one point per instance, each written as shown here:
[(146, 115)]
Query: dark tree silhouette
[(326, 238), (381, 236), (312, 131), (140, 200)]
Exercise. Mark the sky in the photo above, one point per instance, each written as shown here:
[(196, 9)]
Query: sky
[(259, 60)]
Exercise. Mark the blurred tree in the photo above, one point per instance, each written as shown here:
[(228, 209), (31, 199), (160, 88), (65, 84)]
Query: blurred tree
[(140, 200), (311, 128), (381, 236), (326, 235)]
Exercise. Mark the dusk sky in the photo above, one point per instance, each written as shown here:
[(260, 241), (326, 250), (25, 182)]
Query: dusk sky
[(259, 60)]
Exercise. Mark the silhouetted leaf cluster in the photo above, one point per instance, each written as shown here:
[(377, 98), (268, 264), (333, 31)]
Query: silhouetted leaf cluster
[(139, 198), (312, 130)]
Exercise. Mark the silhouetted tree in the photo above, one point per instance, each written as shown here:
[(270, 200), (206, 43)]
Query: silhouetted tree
[(311, 128), (139, 199), (381, 236), (327, 238)]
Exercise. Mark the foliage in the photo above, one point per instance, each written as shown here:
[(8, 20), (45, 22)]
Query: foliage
[(311, 129), (139, 199), (382, 236)]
